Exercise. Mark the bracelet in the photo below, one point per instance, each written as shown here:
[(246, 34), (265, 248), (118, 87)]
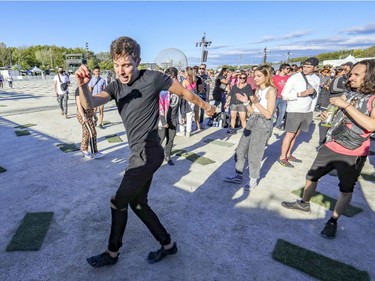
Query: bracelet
[(347, 106), (209, 108), (246, 103)]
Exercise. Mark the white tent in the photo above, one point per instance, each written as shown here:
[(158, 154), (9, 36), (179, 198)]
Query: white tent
[(349, 58), (37, 70)]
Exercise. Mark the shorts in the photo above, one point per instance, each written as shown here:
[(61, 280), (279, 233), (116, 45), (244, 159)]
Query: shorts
[(348, 167), (298, 121), (238, 107)]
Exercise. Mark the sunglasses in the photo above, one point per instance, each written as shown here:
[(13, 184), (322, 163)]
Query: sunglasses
[(202, 68), (242, 77)]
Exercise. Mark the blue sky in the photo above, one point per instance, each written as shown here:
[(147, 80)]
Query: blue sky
[(239, 31)]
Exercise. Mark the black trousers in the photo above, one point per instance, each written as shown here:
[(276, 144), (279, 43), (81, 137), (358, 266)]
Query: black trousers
[(144, 160), (168, 134)]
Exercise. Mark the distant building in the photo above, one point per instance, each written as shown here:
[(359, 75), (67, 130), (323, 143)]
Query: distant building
[(349, 58), (73, 61)]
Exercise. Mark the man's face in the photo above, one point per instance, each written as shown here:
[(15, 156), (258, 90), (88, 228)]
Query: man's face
[(308, 69), (357, 77), (97, 72), (126, 68), (286, 70), (202, 69)]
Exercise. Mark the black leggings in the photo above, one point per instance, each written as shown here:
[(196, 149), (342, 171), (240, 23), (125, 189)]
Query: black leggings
[(144, 160)]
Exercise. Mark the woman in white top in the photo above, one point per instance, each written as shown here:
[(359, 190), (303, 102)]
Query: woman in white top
[(261, 107)]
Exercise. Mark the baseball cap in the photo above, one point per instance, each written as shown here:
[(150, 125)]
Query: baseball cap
[(311, 61)]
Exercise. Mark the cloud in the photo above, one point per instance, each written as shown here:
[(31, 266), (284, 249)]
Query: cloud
[(290, 36), (367, 29)]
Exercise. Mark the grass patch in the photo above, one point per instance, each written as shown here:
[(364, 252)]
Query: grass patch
[(193, 157), (2, 170), (316, 265), (20, 133), (67, 147), (113, 138), (31, 232), (106, 123), (25, 126), (3, 105), (328, 202), (219, 142)]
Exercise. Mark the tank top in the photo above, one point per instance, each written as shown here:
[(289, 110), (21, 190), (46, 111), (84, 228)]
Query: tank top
[(262, 98)]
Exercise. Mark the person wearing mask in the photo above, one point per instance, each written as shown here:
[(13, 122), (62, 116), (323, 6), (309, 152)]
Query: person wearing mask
[(61, 83)]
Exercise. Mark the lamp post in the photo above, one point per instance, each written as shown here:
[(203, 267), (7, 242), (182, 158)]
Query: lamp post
[(265, 52), (204, 44)]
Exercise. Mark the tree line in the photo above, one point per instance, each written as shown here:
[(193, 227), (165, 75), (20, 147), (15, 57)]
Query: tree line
[(48, 58)]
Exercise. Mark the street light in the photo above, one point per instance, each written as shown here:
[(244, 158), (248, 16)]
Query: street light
[(204, 44)]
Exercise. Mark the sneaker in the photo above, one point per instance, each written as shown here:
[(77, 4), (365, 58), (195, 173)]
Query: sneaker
[(98, 155), (160, 254), (169, 161), (297, 205), (294, 159), (329, 230), (102, 260), (231, 131), (279, 127), (101, 126), (253, 183), (87, 155), (181, 134), (237, 178), (188, 134), (285, 163), (66, 116)]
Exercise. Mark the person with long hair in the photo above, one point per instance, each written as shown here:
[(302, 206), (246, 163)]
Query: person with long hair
[(190, 83), (261, 107)]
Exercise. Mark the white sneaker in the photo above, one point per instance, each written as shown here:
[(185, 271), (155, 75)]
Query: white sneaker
[(252, 184), (87, 155), (181, 134), (188, 134), (98, 155)]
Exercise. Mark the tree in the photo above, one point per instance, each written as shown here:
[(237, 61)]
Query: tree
[(3, 53), (43, 58)]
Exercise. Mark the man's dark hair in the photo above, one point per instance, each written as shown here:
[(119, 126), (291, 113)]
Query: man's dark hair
[(96, 67), (283, 66), (125, 46), (368, 86), (172, 72)]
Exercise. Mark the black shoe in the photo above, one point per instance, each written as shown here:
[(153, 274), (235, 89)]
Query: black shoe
[(160, 254), (169, 161), (101, 126), (102, 260), (297, 205), (329, 230)]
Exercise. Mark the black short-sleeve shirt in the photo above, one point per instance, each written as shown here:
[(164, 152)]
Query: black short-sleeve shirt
[(138, 104)]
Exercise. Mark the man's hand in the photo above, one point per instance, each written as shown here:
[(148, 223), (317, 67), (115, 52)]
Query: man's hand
[(339, 101), (323, 115), (211, 110), (83, 75)]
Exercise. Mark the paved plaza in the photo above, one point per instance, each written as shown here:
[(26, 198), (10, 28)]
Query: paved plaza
[(222, 231)]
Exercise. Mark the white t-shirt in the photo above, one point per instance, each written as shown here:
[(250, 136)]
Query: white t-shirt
[(64, 79), (297, 84)]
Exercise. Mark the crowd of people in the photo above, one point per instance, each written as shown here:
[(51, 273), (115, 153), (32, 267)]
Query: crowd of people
[(155, 106)]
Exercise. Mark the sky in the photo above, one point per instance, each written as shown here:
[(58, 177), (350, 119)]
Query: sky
[(239, 31)]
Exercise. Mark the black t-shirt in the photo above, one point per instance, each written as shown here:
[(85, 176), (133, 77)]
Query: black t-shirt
[(247, 90), (138, 104)]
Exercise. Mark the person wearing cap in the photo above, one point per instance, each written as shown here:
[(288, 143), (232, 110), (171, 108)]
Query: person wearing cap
[(300, 91)]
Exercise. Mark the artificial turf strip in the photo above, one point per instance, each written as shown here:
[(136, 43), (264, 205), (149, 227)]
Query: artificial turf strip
[(368, 177), (193, 157), (316, 265), (67, 147), (3, 105), (20, 133), (219, 142), (2, 170), (328, 202), (106, 123), (25, 126), (31, 232), (113, 138)]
